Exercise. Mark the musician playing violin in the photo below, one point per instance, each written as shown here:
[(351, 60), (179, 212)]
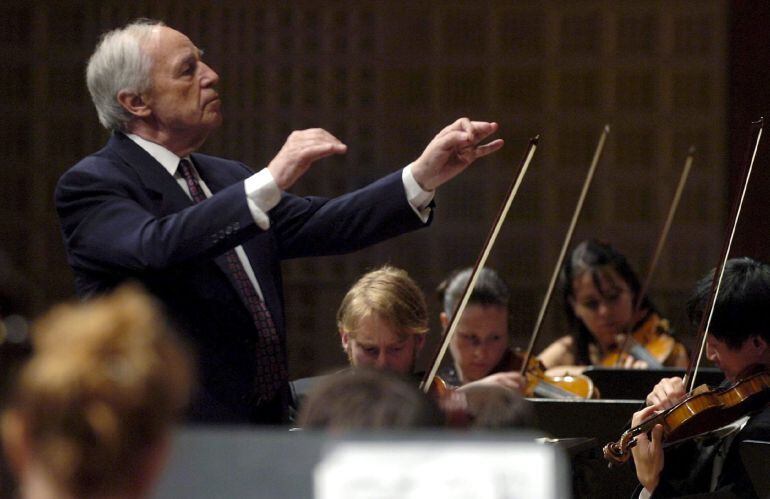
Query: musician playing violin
[(600, 290), (481, 347), (383, 320), (738, 343), (383, 323)]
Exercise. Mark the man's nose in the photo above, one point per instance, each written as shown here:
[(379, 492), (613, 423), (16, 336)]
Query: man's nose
[(711, 353), (381, 362), (209, 77)]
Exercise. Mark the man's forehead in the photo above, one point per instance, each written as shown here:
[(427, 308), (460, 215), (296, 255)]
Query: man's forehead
[(170, 44), (379, 338)]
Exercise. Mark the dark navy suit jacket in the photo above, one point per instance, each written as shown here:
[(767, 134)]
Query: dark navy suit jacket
[(123, 217)]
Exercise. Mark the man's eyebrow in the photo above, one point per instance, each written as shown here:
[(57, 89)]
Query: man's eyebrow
[(187, 58)]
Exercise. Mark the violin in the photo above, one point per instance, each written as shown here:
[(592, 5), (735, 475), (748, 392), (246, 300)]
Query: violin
[(451, 402), (439, 388), (650, 342), (704, 411), (539, 384)]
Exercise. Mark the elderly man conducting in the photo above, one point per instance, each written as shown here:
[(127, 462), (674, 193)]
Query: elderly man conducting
[(206, 235)]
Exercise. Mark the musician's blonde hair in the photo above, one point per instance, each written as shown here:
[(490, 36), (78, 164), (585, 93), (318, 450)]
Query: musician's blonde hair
[(389, 293), (106, 381)]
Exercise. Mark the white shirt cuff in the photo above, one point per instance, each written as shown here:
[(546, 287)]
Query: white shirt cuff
[(418, 198), (262, 194), (644, 494)]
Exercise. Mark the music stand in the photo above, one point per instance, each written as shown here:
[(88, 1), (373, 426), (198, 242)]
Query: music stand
[(260, 463), (603, 420), (636, 384)]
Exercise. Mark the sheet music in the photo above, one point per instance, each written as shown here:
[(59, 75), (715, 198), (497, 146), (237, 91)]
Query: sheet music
[(406, 470)]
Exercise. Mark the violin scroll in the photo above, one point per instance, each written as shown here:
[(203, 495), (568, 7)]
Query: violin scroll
[(618, 452)]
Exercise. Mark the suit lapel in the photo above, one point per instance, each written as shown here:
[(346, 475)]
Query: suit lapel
[(155, 179)]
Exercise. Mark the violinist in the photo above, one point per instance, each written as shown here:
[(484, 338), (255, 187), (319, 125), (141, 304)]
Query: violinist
[(383, 320), (481, 347), (600, 291), (738, 343)]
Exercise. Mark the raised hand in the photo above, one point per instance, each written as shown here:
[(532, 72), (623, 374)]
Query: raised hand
[(452, 150), (301, 150)]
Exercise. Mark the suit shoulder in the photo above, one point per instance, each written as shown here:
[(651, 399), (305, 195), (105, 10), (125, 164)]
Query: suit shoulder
[(102, 168), (95, 162)]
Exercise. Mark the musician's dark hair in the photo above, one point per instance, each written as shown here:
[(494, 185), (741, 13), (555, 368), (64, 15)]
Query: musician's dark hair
[(742, 308), (490, 289), (594, 256)]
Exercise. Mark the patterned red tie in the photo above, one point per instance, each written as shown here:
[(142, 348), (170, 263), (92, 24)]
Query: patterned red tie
[(271, 369)]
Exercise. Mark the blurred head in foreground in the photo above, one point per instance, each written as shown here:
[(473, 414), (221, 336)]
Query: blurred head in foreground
[(366, 398), (493, 407), (92, 411)]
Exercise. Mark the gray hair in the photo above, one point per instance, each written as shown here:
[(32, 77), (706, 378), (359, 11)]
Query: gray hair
[(119, 63)]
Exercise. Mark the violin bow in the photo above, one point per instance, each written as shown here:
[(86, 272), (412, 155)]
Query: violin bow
[(658, 249), (427, 381), (567, 240), (716, 282)]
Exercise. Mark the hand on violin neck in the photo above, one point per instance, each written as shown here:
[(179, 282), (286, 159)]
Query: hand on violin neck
[(666, 394), (452, 150), (648, 453)]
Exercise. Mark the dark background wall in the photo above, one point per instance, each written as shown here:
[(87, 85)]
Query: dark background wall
[(385, 76), (748, 100)]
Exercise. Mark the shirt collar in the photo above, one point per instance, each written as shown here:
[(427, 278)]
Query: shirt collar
[(166, 158)]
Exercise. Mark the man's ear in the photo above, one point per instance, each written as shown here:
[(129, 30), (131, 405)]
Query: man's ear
[(134, 104), (759, 343), (345, 339), (444, 320)]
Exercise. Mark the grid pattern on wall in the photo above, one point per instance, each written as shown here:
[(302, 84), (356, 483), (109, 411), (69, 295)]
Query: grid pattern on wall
[(385, 77)]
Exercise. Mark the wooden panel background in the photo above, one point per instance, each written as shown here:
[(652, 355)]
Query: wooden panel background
[(385, 76)]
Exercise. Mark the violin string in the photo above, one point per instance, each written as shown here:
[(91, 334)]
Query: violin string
[(565, 245), (487, 248), (726, 254), (658, 250)]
